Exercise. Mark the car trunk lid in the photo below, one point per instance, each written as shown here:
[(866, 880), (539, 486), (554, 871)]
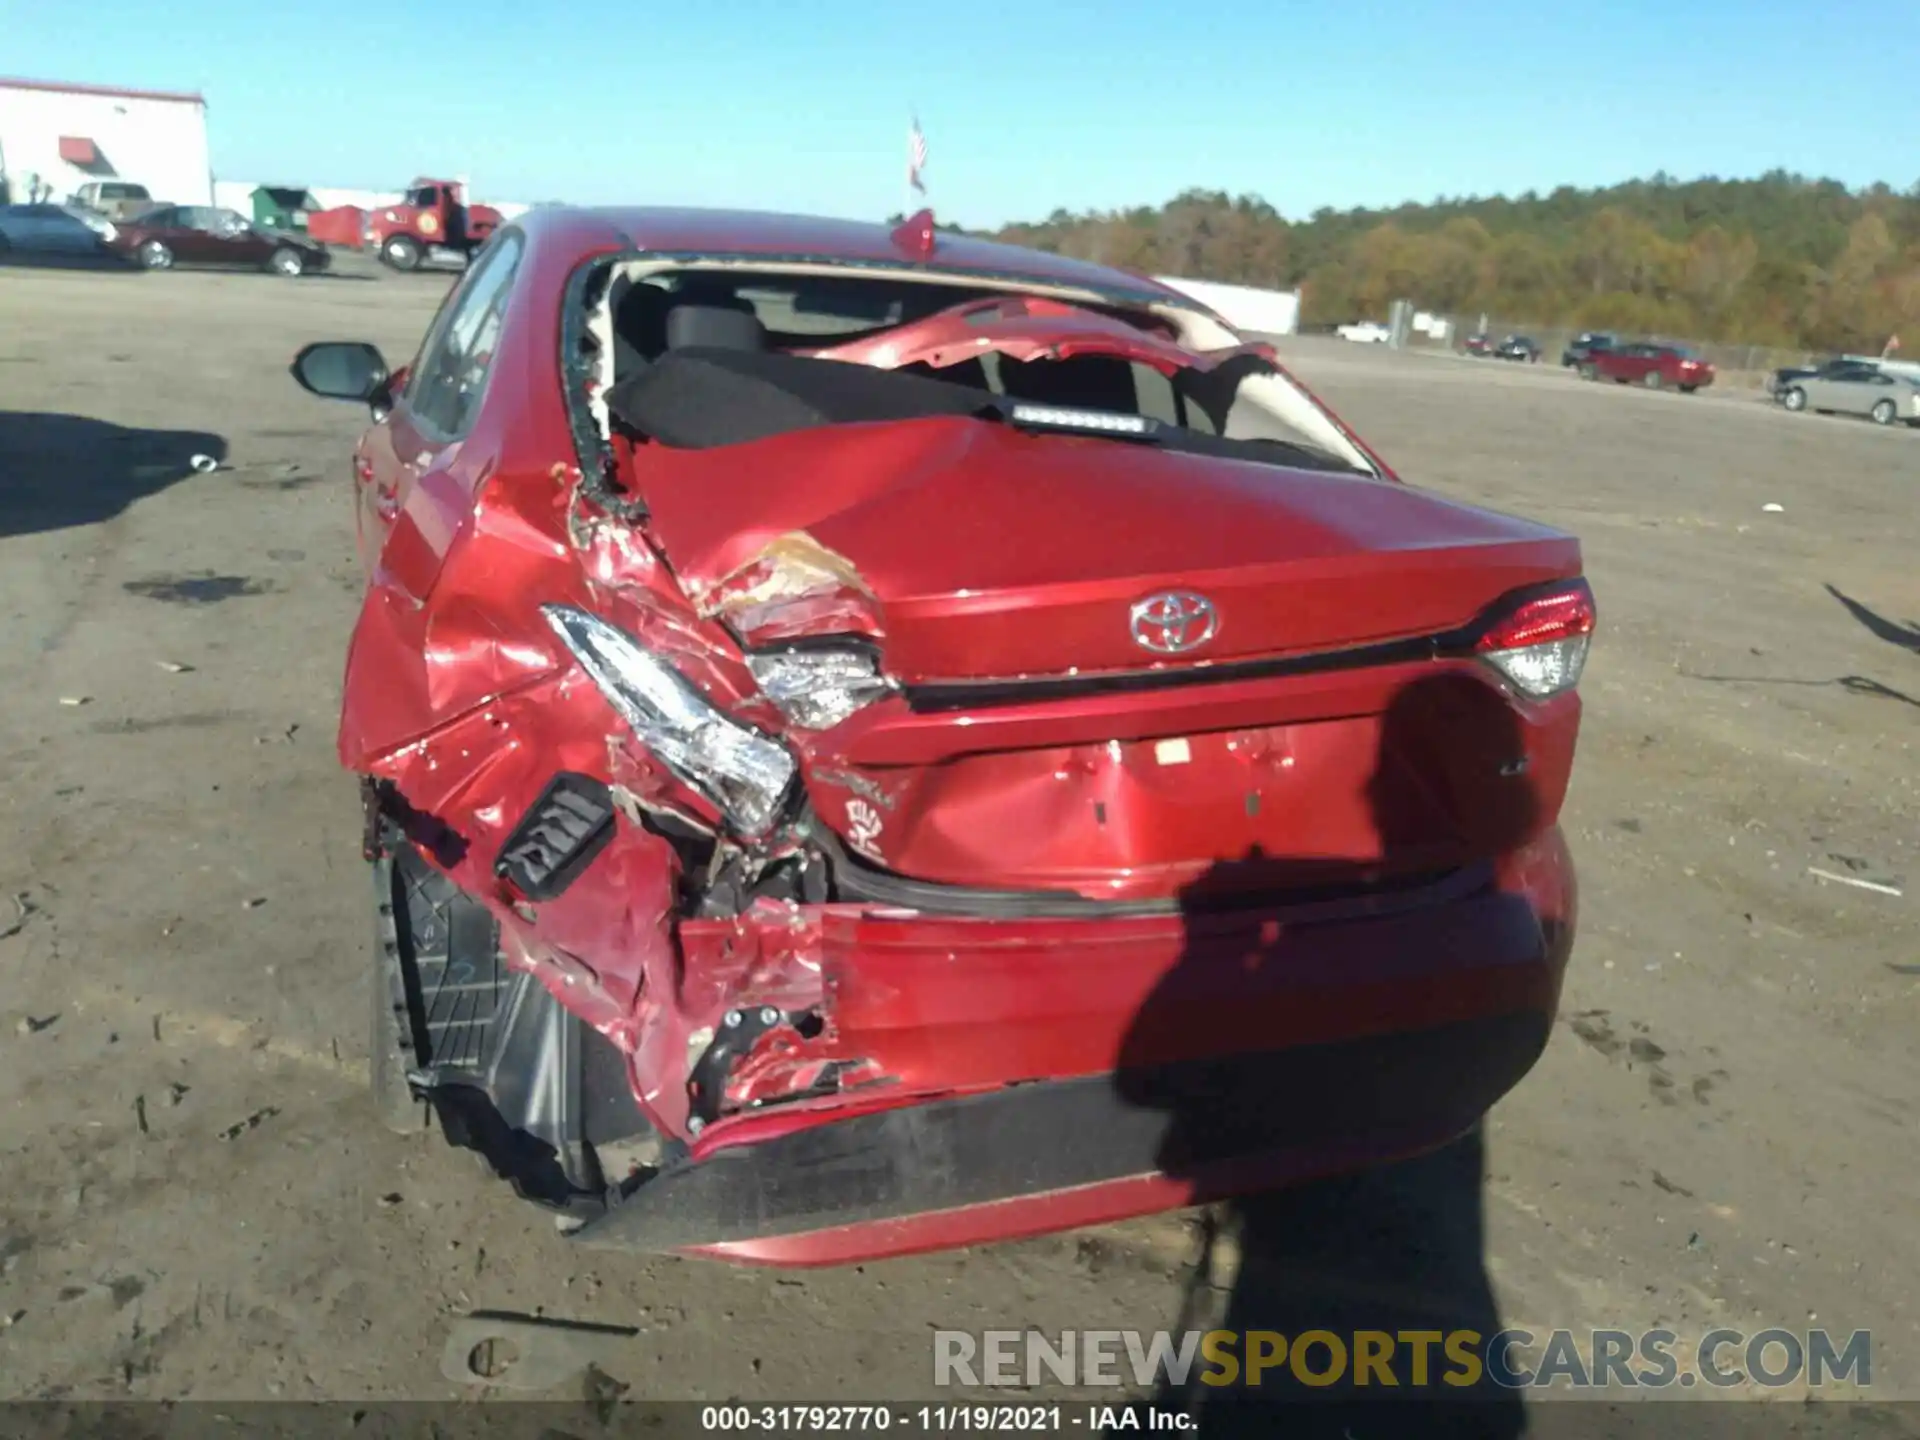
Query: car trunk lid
[(992, 553)]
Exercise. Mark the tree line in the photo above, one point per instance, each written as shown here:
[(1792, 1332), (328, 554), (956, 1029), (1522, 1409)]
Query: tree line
[(1780, 260)]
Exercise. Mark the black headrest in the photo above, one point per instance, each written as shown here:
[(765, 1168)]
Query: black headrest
[(639, 324), (692, 399), (714, 327)]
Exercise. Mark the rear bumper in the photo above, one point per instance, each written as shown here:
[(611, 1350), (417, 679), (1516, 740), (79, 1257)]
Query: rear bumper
[(1049, 1074), (1038, 1158)]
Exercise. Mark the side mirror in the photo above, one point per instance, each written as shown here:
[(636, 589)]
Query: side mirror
[(341, 370)]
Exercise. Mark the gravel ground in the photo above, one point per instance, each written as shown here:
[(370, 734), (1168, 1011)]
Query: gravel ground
[(196, 1202)]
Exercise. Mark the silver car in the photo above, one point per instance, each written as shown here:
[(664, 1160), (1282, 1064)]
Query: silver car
[(53, 230), (1855, 387)]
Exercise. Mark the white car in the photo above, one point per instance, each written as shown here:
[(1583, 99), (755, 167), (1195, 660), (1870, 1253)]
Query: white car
[(1367, 332)]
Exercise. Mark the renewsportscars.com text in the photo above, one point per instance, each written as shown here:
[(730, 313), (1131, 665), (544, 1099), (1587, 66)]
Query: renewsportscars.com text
[(1405, 1359)]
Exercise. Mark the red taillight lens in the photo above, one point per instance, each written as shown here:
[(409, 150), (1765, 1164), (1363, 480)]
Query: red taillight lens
[(1539, 642)]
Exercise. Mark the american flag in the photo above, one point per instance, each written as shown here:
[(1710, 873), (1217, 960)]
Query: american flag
[(916, 156)]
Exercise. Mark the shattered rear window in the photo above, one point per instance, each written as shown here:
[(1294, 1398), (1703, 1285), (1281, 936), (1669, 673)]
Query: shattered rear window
[(802, 311)]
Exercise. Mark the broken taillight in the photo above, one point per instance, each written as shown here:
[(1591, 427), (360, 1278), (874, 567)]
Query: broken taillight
[(745, 774), (1539, 641), (818, 686)]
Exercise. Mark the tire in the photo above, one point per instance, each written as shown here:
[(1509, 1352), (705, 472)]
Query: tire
[(1883, 413), (1589, 372), (1794, 398), (1688, 389), (287, 261), (401, 252), (1653, 380), (154, 255)]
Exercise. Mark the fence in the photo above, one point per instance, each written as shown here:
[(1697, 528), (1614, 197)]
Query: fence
[(1734, 364)]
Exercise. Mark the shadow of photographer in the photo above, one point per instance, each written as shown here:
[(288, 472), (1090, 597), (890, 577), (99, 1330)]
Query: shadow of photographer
[(1348, 1164)]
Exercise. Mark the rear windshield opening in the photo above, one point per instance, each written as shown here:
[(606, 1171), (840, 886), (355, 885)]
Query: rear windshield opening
[(802, 312), (655, 319)]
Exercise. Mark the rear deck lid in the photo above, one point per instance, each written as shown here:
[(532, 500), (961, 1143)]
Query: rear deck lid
[(994, 553)]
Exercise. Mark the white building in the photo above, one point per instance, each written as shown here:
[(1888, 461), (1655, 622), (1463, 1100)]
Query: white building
[(67, 135), (1248, 310)]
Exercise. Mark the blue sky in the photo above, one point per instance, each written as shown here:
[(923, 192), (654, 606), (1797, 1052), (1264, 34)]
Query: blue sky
[(1027, 105)]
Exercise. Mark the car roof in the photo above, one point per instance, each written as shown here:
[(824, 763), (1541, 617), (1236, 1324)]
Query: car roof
[(689, 231)]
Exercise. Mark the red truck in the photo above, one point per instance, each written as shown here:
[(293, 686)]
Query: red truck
[(432, 224), (1650, 364)]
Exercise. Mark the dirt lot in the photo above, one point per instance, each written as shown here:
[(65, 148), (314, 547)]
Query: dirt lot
[(195, 1200)]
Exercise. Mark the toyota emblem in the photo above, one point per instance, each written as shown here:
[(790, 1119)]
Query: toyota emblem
[(1173, 622)]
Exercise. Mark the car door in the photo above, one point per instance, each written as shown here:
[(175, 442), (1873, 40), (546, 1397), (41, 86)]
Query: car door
[(1849, 391), (195, 239), (439, 400), (233, 241), (1837, 387), (65, 232)]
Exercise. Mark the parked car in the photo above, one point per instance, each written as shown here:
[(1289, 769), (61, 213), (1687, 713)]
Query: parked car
[(115, 199), (53, 230), (1584, 345), (1649, 364), (741, 892), (1854, 387), (1366, 332), (1779, 379), (1517, 347), (203, 235)]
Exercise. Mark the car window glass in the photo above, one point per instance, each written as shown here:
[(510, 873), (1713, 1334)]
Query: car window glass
[(451, 371)]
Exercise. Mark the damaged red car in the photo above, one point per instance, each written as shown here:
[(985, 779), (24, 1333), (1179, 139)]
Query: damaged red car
[(874, 740)]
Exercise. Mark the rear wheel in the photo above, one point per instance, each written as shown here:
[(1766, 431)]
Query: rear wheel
[(1883, 413), (1688, 389), (1795, 398), (401, 253), (154, 255), (1589, 372), (287, 261)]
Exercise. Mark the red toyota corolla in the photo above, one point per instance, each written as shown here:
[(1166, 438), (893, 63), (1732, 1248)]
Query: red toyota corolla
[(874, 740)]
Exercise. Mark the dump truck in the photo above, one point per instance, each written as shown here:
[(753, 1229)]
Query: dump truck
[(432, 225)]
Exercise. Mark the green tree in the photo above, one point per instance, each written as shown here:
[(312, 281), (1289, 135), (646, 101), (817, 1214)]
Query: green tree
[(1780, 259)]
